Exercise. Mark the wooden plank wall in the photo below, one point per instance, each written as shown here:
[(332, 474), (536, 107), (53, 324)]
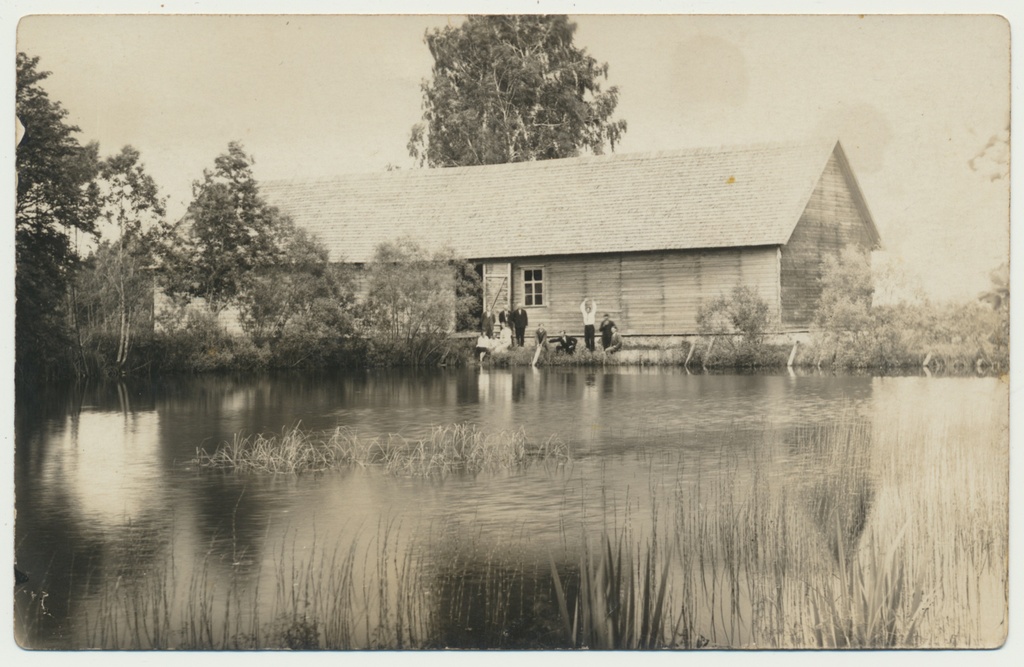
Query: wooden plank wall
[(830, 222), (652, 293), (496, 287)]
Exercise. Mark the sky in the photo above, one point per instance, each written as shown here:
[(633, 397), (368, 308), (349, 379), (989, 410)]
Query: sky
[(913, 99)]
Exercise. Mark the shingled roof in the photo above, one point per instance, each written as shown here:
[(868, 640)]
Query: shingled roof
[(697, 198)]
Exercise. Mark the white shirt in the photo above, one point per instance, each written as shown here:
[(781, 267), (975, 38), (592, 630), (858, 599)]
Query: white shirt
[(588, 318)]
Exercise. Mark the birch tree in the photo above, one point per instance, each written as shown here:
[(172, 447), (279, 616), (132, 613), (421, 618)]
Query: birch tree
[(512, 89), (134, 213)]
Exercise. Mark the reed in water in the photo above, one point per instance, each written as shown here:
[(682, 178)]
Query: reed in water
[(448, 449)]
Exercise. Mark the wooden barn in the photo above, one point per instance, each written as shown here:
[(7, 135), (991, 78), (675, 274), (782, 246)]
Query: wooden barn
[(649, 237)]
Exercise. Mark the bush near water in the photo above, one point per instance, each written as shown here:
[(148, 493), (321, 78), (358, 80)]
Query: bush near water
[(394, 327)]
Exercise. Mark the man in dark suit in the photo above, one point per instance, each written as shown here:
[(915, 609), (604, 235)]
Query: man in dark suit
[(487, 323), (519, 321), (565, 343)]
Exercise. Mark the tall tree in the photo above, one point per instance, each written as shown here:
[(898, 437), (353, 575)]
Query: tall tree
[(512, 89), (132, 207), (228, 233), (57, 198)]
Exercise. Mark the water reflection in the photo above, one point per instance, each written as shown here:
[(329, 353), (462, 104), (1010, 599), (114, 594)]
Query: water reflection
[(102, 477), (105, 469)]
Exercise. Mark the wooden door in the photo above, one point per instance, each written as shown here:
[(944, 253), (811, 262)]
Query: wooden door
[(497, 286)]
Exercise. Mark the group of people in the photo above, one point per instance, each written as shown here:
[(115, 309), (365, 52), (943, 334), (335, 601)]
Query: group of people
[(494, 343), (511, 330), (515, 321), (611, 341)]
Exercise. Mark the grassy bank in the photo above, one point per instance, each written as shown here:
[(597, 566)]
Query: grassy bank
[(725, 355), (955, 339), (673, 353)]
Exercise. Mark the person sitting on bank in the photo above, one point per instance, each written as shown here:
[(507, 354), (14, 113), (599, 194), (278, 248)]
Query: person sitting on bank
[(606, 330), (483, 346), (565, 343), (504, 339), (486, 345), (615, 344)]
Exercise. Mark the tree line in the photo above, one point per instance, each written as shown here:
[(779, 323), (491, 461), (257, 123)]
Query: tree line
[(95, 251)]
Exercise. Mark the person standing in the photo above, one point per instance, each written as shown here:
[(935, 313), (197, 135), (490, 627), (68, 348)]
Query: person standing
[(519, 320), (606, 331), (589, 310), (487, 323)]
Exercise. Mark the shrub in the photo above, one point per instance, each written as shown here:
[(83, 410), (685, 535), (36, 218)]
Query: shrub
[(844, 322), (739, 323), (469, 296), (411, 306), (850, 331), (303, 291)]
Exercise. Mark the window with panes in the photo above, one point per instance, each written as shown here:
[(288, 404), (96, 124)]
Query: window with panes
[(533, 287)]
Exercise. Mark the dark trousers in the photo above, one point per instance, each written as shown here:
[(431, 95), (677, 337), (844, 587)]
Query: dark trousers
[(520, 335), (588, 336)]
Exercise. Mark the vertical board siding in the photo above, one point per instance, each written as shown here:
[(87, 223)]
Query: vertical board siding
[(652, 293), (830, 222), (497, 288)]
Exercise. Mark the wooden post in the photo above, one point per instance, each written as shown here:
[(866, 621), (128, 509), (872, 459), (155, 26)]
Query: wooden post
[(792, 355), (689, 355), (927, 360), (704, 361)]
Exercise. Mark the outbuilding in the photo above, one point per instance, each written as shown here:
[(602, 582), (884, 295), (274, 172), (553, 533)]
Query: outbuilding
[(648, 236)]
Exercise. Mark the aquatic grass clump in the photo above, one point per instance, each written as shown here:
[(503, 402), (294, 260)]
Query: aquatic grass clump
[(464, 447), (621, 603), (448, 449), (295, 450), (871, 603)]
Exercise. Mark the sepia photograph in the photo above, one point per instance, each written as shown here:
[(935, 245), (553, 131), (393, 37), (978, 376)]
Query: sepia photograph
[(519, 331)]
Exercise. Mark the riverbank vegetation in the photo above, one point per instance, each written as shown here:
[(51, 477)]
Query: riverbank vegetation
[(850, 331), (107, 286), (449, 449), (879, 536)]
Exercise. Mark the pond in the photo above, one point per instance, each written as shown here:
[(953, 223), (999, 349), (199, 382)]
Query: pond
[(739, 510)]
